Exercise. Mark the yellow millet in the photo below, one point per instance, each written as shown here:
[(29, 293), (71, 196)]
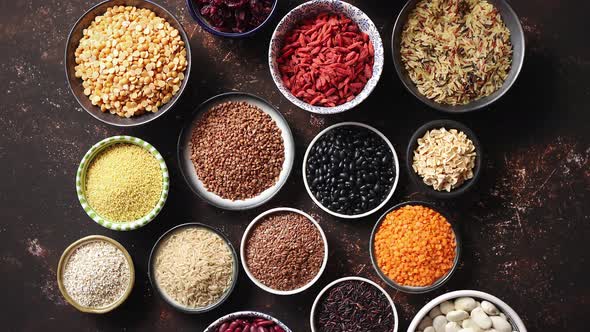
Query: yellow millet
[(123, 182)]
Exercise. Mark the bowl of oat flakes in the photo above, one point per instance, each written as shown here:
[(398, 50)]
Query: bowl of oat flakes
[(444, 158), (127, 62)]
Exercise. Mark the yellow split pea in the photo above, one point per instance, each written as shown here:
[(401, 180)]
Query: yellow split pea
[(123, 182)]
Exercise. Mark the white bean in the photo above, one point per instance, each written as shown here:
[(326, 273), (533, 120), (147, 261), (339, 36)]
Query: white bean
[(500, 324), (465, 304), (452, 327), (446, 307), (439, 323), (467, 330), (503, 316), (481, 319), (489, 308), (426, 322), (457, 315), (434, 312), (469, 323), (429, 329)]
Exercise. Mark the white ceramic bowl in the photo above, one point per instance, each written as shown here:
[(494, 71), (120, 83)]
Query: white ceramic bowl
[(243, 251), (311, 8), (330, 285), (512, 316), (395, 162), (188, 170)]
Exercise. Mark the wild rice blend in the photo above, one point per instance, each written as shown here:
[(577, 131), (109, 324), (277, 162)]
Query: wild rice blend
[(456, 51)]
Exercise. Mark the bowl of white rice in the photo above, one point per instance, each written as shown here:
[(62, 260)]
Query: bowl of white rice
[(458, 56)]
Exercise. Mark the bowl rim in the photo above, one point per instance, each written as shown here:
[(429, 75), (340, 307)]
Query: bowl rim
[(374, 80), (246, 235), (248, 313), (65, 257), (395, 163), (89, 156), (170, 301), (287, 144), (417, 289), (504, 307), (357, 278), (469, 107), (447, 124), (165, 107), (192, 9)]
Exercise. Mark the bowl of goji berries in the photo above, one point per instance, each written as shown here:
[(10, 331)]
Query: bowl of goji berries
[(326, 56)]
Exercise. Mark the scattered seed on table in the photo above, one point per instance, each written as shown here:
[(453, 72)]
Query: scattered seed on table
[(350, 170), (237, 150), (284, 251)]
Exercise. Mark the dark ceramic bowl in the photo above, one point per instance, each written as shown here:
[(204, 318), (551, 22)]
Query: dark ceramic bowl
[(518, 49), (244, 314), (193, 9), (76, 83), (448, 124), (413, 289), (170, 301)]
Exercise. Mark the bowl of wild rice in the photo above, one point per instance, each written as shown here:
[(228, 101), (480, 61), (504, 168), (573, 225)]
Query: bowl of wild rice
[(193, 267), (458, 56)]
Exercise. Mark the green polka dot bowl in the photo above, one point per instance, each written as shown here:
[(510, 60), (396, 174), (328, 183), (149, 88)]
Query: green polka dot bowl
[(94, 151)]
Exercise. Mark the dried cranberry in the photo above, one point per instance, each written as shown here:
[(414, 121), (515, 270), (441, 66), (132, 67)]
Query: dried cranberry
[(235, 15)]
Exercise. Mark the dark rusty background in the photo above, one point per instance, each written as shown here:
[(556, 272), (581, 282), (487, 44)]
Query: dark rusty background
[(525, 227)]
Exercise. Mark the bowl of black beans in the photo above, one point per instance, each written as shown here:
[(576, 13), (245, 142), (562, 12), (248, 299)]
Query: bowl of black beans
[(350, 170)]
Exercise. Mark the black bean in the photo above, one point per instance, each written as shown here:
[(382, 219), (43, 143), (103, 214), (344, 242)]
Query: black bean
[(350, 170)]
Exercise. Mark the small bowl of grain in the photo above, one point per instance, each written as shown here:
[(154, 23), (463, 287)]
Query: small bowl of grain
[(95, 274), (284, 251), (193, 267), (113, 171), (326, 56), (444, 158), (127, 62), (458, 57)]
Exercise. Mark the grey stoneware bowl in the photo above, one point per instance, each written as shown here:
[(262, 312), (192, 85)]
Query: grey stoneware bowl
[(190, 174), (214, 327), (416, 289), (173, 303), (413, 144), (75, 83), (518, 49)]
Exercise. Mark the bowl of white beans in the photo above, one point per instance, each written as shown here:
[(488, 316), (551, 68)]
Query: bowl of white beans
[(467, 311)]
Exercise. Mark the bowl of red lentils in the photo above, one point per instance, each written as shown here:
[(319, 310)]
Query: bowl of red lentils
[(122, 183), (326, 56), (414, 247)]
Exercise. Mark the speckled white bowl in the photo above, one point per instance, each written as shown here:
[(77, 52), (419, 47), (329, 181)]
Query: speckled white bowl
[(315, 7), (512, 316)]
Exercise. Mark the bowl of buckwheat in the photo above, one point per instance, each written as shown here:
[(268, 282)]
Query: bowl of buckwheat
[(127, 61), (444, 158)]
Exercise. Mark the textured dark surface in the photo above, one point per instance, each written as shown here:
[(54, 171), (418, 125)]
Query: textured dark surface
[(525, 226)]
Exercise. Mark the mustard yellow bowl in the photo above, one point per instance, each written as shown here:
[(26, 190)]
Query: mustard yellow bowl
[(66, 256)]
